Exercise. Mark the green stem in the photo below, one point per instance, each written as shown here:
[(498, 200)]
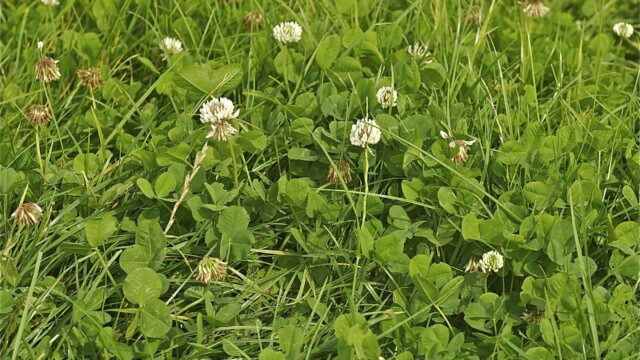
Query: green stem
[(366, 185), (98, 127), (38, 153), (235, 165)]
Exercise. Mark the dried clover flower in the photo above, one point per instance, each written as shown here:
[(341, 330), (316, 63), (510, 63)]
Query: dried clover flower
[(28, 214), (475, 17), (90, 78), (344, 169), (253, 19), (47, 70), (473, 265), (536, 9), (533, 317), (462, 145), (39, 114)]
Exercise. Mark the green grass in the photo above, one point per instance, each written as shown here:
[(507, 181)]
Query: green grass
[(361, 269)]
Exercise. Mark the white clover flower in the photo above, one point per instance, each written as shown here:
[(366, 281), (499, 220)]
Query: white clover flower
[(365, 132), (51, 2), (218, 112), (222, 131), (287, 32), (40, 45), (170, 46), (387, 97), (623, 30), (418, 51), (536, 9), (491, 261), (218, 109)]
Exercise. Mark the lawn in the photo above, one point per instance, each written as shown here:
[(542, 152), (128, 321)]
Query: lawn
[(345, 179)]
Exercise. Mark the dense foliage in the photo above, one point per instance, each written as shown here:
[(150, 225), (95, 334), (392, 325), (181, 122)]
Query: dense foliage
[(513, 133)]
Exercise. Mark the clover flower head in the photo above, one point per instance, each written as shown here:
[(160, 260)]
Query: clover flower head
[(211, 269), (27, 214), (475, 16), (253, 19), (419, 51), (387, 96), (623, 30), (218, 112), (51, 2), (536, 9), (90, 77), (47, 70), (533, 317), (491, 261), (287, 32), (170, 46), (344, 170), (463, 147), (218, 109), (473, 265), (222, 131), (365, 132), (38, 114)]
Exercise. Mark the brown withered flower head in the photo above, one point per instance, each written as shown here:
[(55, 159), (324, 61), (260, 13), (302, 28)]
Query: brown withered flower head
[(473, 265), (211, 269), (27, 214), (47, 70), (343, 168), (462, 145), (39, 114), (253, 19), (475, 16), (533, 317), (90, 78), (535, 9)]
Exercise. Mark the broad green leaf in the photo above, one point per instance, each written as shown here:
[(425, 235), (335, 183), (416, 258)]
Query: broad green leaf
[(99, 229), (398, 217), (302, 154), (627, 236), (233, 220), (142, 285), (270, 354), (134, 257), (209, 79), (252, 141), (150, 236), (165, 184), (328, 51), (301, 130), (155, 318), (291, 341), (6, 302), (447, 199), (237, 245)]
